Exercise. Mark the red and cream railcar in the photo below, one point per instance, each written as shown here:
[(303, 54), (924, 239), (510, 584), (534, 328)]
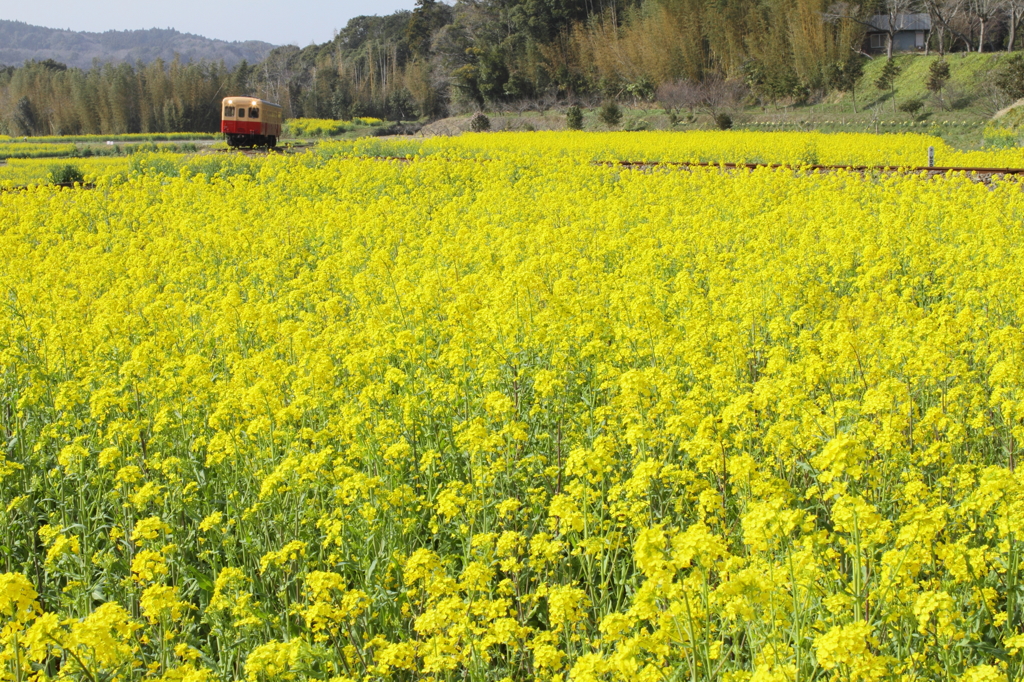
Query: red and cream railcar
[(250, 122)]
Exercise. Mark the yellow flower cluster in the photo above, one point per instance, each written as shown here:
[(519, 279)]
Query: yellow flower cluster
[(529, 418), (790, 148), (15, 150), (21, 172), (314, 127)]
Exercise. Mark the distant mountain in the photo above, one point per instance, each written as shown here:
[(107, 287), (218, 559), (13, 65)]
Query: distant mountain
[(20, 42)]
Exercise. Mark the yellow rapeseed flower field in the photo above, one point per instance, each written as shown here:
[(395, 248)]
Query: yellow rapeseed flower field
[(830, 149), (21, 172), (498, 413)]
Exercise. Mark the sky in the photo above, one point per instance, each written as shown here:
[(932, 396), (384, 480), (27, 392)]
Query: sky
[(295, 22)]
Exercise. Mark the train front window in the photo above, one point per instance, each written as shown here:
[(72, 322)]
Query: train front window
[(254, 112), (229, 111)]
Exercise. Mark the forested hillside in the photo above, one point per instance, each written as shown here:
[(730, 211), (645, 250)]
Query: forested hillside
[(439, 59), (21, 42)]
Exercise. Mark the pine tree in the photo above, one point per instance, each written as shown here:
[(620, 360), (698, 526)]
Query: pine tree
[(938, 74), (610, 113), (887, 79), (843, 76), (574, 118)]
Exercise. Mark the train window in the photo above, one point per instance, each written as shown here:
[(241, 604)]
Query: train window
[(254, 112), (229, 111)]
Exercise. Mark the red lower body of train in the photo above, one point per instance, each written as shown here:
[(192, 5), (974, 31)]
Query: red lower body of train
[(250, 133)]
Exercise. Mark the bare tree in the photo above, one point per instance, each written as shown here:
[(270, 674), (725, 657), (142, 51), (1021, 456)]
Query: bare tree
[(888, 20), (893, 11), (1014, 16), (710, 96), (676, 95), (948, 15), (985, 11), (716, 93)]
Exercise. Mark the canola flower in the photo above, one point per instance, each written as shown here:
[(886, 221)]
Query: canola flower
[(15, 150), (339, 418), (21, 172), (314, 127), (789, 148), (325, 127)]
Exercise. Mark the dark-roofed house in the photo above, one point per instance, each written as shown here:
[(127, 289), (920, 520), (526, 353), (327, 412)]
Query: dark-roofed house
[(910, 35)]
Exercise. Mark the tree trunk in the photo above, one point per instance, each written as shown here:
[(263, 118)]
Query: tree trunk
[(853, 91), (1013, 31), (981, 36), (888, 45)]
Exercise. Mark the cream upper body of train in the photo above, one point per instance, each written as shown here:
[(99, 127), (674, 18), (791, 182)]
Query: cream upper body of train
[(250, 122)]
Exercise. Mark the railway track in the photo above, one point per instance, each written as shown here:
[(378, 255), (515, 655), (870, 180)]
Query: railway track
[(264, 151), (930, 170), (980, 174)]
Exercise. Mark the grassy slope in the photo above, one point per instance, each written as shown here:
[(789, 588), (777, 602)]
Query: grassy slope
[(968, 93), (969, 101)]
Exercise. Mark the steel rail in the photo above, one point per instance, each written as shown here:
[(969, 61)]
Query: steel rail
[(820, 167)]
